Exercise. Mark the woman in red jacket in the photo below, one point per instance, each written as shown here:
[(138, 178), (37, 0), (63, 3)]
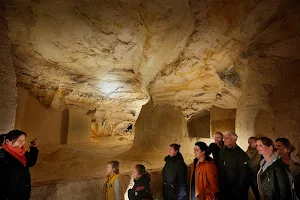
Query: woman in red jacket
[(204, 175)]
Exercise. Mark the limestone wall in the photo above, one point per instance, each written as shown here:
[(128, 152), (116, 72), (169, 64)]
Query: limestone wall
[(8, 91), (37, 120), (158, 127), (270, 100), (51, 126), (79, 129), (222, 119)]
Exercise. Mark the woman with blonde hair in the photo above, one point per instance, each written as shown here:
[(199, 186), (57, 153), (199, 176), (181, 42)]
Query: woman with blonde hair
[(113, 188)]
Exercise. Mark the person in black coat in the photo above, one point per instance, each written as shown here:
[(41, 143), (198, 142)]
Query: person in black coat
[(14, 166), (174, 175), (141, 189), (234, 170), (216, 147)]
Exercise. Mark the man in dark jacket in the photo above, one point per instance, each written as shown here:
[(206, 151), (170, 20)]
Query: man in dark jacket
[(234, 170), (216, 147), (174, 176)]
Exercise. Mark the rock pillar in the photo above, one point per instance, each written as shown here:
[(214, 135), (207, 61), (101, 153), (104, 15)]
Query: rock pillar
[(270, 101), (8, 91)]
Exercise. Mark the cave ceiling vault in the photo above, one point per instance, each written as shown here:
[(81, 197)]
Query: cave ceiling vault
[(112, 56)]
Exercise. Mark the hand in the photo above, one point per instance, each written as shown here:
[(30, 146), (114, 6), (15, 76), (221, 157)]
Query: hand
[(33, 143)]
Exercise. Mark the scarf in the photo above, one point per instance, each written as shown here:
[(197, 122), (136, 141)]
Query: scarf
[(18, 153)]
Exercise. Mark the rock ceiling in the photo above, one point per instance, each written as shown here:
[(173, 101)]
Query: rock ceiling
[(112, 56)]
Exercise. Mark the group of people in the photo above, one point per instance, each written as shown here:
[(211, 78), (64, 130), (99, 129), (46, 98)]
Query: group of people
[(271, 169)]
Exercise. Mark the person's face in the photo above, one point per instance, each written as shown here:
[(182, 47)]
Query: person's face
[(110, 169), (218, 138), (172, 152), (263, 149), (228, 140), (18, 143), (198, 152), (252, 143), (281, 149), (135, 174)]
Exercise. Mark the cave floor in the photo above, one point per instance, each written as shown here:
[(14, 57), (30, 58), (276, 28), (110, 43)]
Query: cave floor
[(87, 161)]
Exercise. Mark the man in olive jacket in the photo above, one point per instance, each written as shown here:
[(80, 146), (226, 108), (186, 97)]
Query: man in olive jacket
[(234, 170)]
